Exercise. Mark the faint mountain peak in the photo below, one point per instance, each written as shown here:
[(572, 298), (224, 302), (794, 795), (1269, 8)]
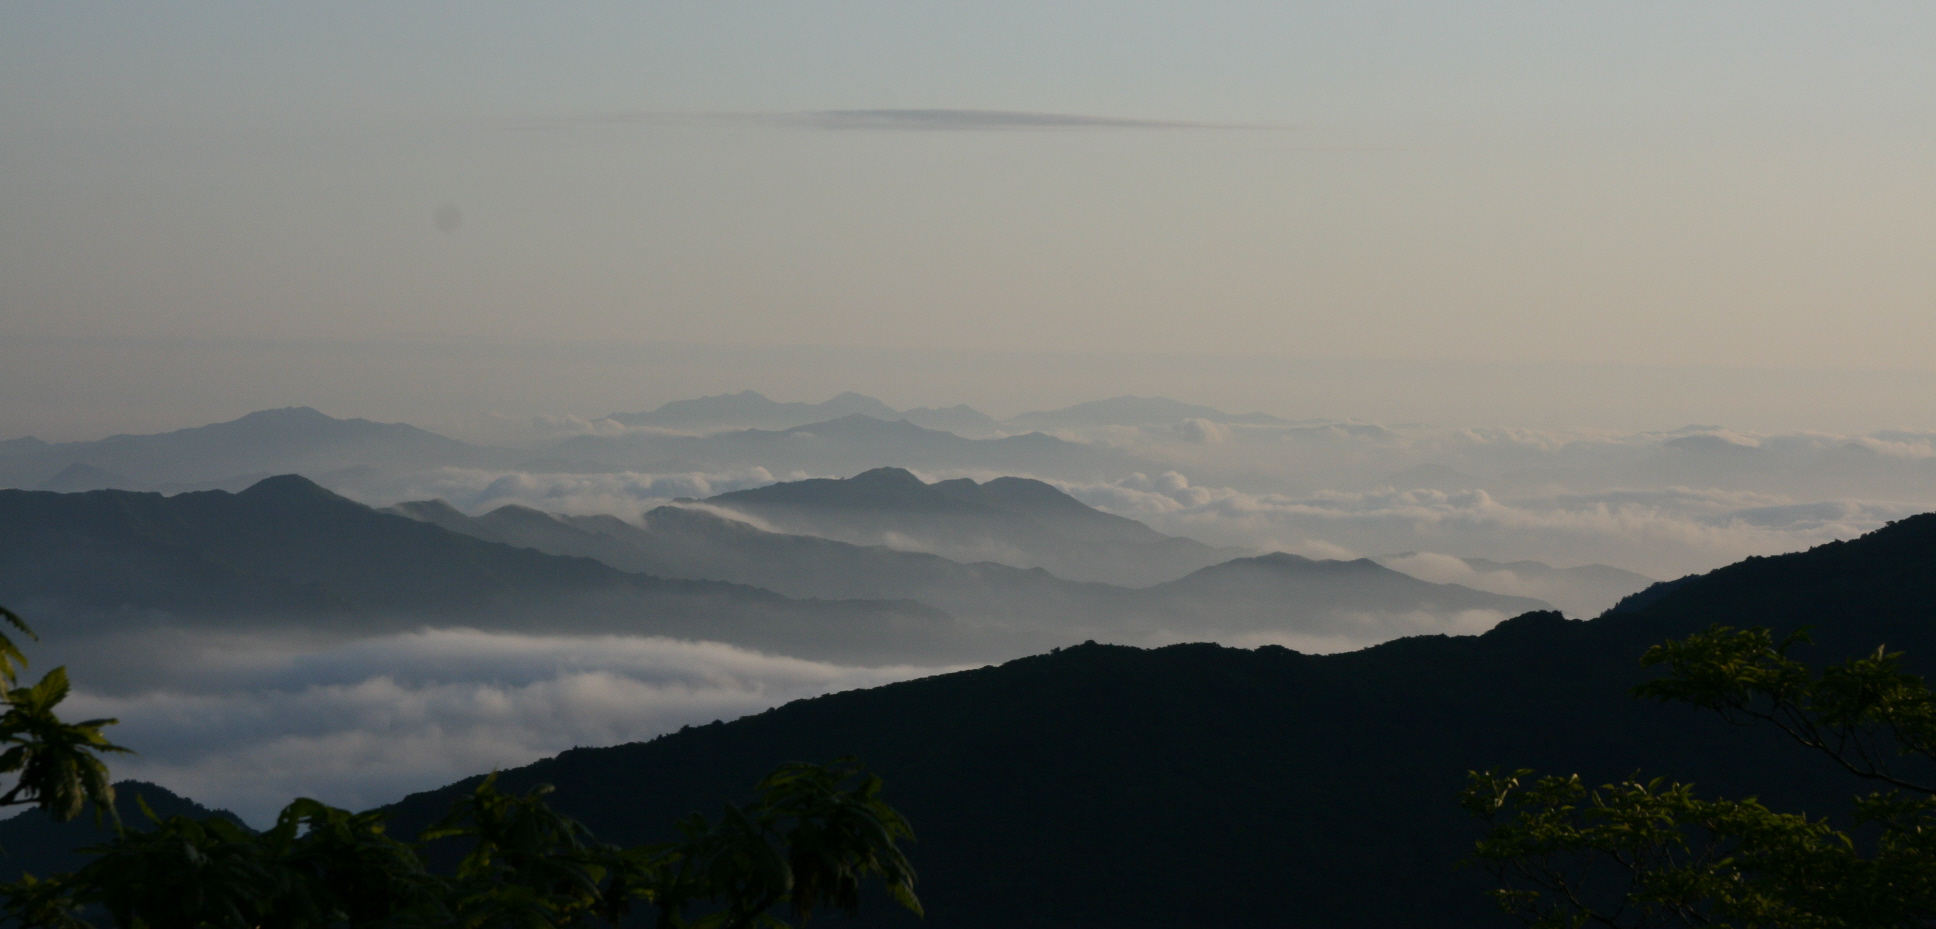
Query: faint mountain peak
[(1586, 590), (879, 488), (265, 442), (752, 409), (518, 514), (1136, 411), (860, 425), (284, 425), (307, 415), (1265, 576), (303, 422), (744, 398), (440, 513), (25, 445), (1712, 442), (960, 419), (426, 510), (1023, 494), (291, 488), (78, 477), (1287, 562), (859, 403), (888, 477), (1430, 476)]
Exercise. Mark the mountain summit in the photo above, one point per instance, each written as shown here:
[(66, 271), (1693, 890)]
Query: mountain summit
[(1015, 521), (1135, 411), (294, 439)]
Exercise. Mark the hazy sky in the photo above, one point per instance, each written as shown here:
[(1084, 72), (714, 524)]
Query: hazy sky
[(207, 209)]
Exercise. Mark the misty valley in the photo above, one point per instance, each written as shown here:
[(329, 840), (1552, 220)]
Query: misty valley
[(1091, 651)]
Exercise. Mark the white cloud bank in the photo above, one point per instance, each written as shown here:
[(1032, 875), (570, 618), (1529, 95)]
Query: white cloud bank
[(364, 723), (1662, 533)]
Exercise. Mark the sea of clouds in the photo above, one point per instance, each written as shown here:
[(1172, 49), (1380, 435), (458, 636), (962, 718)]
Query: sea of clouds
[(1662, 504), (248, 723), (1661, 533)]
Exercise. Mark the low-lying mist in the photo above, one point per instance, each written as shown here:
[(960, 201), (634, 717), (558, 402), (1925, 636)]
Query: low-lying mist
[(248, 722)]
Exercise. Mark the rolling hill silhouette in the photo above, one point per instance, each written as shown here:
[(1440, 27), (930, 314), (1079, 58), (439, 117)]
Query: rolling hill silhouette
[(296, 439), (34, 842), (752, 410), (1015, 521), (843, 446), (1135, 411), (287, 553), (1015, 611)]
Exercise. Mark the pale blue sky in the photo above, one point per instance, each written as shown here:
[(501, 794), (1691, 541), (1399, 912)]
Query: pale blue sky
[(1678, 184)]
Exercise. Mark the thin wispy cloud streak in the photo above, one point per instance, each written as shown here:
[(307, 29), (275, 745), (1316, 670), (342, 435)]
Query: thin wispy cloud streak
[(947, 119), (912, 119)]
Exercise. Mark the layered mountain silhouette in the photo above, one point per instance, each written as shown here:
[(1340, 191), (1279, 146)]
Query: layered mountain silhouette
[(1584, 590), (1015, 610), (297, 439), (842, 446), (751, 410), (288, 554), (1135, 411), (1202, 785), (1016, 521)]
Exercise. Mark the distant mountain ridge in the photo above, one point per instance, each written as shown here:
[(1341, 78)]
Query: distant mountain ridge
[(845, 445), (288, 553), (1015, 610), (1581, 592), (750, 409), (295, 439), (1016, 521), (1136, 411)]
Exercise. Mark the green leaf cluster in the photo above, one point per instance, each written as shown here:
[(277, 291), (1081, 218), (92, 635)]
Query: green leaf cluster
[(1653, 853), (54, 765)]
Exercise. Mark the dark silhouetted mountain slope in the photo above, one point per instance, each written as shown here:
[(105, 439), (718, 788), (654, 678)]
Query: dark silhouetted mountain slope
[(1344, 598), (1199, 785), (33, 841)]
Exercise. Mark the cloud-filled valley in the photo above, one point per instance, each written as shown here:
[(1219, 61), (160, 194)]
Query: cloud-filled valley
[(253, 722), (1664, 533)]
